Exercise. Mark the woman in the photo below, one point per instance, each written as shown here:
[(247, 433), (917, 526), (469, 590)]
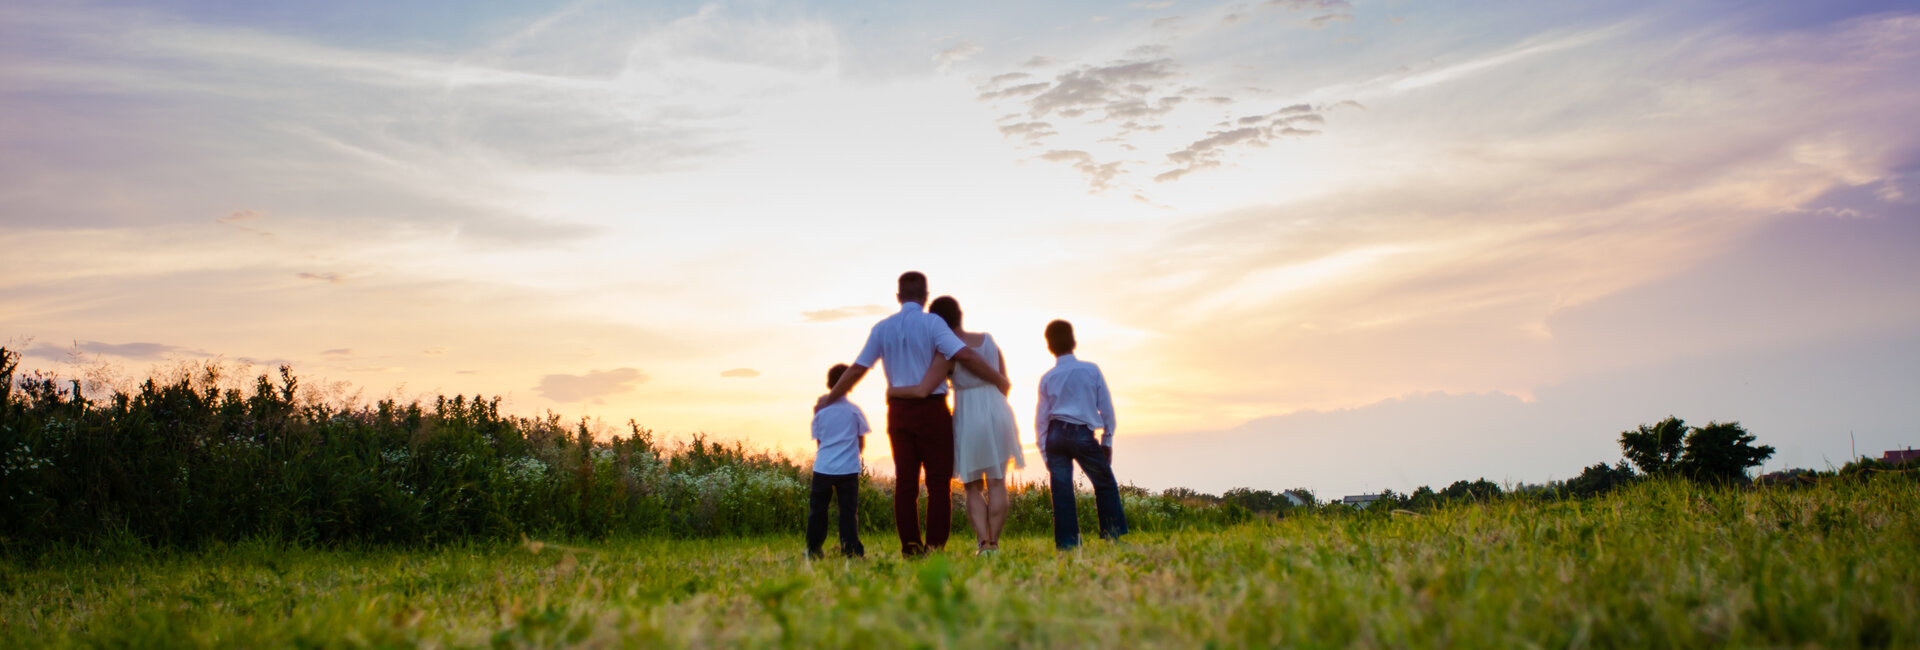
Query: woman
[(985, 438)]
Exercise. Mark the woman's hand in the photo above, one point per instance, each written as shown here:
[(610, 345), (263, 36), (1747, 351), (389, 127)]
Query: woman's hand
[(936, 373)]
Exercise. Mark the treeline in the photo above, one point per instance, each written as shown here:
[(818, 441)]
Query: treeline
[(1719, 453), (194, 460)]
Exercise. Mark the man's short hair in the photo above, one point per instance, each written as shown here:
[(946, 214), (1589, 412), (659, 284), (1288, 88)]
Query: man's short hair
[(833, 374), (947, 309), (1060, 337), (913, 284)]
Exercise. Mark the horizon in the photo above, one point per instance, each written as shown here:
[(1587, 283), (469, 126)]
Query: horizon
[(1347, 246)]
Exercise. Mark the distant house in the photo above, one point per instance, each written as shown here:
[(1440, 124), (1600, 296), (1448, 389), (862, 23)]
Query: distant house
[(1296, 499), (1359, 500), (1898, 456)]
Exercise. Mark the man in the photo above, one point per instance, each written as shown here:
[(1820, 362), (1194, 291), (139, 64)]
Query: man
[(919, 431)]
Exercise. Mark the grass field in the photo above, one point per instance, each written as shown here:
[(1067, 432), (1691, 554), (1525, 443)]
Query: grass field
[(1658, 565)]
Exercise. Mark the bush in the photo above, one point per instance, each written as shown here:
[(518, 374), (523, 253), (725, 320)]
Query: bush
[(196, 460)]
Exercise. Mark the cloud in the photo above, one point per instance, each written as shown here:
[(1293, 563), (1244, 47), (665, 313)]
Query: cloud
[(1099, 175), (1297, 5), (1322, 21), (740, 373), (1092, 88), (1253, 131), (1117, 101), (328, 277), (140, 351), (842, 313), (959, 52), (1037, 62), (243, 215), (591, 387), (1160, 4), (1027, 130), (337, 352)]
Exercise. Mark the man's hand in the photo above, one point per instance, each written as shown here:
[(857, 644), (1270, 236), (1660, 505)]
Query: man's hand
[(823, 402)]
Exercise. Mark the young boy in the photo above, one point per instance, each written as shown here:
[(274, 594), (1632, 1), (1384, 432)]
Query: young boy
[(841, 430), (1073, 400)]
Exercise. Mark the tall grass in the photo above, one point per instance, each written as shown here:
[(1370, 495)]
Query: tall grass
[(196, 460), (1658, 564)]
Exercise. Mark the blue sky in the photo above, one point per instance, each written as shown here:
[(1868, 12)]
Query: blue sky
[(1260, 214)]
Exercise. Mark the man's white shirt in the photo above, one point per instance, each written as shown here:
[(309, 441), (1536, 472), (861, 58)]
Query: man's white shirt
[(838, 427), (1076, 392), (905, 342)]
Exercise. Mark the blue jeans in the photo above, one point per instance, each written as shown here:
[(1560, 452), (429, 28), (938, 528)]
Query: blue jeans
[(1067, 443)]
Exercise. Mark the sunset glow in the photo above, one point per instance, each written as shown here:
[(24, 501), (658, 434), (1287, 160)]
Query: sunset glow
[(1340, 245)]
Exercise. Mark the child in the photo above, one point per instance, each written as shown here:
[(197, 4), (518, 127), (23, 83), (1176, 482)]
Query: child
[(1073, 400), (841, 430)]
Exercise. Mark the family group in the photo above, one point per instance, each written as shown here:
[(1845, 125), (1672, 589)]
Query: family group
[(926, 355)]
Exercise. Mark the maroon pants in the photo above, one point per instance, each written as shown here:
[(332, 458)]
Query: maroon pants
[(921, 434)]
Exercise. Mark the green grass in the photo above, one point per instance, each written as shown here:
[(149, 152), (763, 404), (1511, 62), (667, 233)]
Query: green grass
[(1657, 565)]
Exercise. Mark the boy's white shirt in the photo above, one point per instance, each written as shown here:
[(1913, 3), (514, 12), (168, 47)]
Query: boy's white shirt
[(1074, 391), (838, 428)]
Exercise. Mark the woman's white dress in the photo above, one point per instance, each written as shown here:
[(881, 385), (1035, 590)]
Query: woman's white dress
[(985, 437)]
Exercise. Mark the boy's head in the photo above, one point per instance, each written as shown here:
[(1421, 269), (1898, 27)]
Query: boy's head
[(913, 287), (947, 309), (1060, 337), (833, 374)]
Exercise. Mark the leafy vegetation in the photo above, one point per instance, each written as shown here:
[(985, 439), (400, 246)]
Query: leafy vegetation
[(1662, 563), (198, 459)]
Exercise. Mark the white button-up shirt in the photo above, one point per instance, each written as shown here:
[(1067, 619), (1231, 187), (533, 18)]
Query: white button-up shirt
[(905, 343), (838, 427), (1076, 392)]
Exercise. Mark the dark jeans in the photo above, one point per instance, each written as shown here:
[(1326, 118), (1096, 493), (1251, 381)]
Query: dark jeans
[(1067, 443), (920, 431), (844, 488)]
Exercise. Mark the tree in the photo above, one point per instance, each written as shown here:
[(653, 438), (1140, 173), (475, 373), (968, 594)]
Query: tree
[(1722, 452), (1255, 500), (1478, 490), (1423, 499), (1655, 449), (1600, 479)]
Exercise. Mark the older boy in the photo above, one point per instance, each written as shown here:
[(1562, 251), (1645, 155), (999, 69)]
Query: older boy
[(1073, 400), (841, 431)]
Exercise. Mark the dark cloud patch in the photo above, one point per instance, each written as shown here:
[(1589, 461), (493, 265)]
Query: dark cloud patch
[(328, 277), (1014, 91), (1099, 175), (1027, 130), (842, 313), (1139, 94), (1322, 21), (592, 387), (1087, 89), (141, 351), (1248, 131), (740, 373), (1301, 5)]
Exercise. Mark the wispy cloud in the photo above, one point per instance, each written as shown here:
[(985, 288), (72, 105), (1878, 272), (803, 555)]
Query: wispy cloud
[(740, 373), (592, 387), (137, 351), (842, 313)]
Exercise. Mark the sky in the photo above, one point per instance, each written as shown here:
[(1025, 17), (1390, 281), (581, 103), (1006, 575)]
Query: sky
[(1341, 245)]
